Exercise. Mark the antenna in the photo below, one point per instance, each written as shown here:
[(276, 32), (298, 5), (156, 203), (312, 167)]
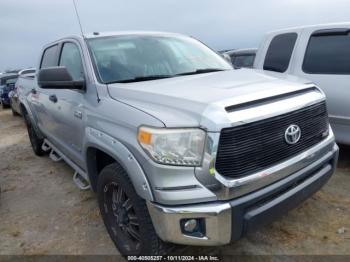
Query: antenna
[(82, 34), (76, 11)]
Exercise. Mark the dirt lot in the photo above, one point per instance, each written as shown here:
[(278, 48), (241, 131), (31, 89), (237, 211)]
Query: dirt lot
[(42, 212)]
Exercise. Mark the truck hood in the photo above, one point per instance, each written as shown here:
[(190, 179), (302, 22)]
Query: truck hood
[(185, 101)]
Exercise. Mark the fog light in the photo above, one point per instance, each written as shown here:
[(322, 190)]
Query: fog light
[(194, 227), (190, 225)]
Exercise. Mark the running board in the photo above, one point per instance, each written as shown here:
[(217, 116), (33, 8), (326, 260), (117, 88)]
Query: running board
[(80, 181), (80, 177), (45, 147), (55, 156)]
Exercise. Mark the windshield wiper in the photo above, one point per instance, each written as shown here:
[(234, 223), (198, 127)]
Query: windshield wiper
[(141, 78), (201, 71)]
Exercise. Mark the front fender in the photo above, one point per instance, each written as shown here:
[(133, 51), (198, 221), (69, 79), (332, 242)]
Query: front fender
[(111, 146)]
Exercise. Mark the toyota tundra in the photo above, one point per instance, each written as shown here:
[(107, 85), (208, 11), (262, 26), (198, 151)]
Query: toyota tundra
[(179, 147)]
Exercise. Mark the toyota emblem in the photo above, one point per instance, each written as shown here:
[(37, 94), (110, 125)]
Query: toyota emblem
[(292, 134)]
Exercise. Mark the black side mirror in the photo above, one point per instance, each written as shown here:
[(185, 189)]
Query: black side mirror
[(58, 78)]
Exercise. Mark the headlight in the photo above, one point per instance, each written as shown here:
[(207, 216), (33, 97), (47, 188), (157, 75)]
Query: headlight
[(180, 147)]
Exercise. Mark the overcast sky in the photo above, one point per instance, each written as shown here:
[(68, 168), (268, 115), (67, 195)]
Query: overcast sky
[(26, 25)]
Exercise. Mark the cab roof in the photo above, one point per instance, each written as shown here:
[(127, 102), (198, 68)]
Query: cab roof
[(315, 26), (95, 35)]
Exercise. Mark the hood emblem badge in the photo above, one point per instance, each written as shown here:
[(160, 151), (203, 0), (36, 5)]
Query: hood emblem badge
[(292, 134)]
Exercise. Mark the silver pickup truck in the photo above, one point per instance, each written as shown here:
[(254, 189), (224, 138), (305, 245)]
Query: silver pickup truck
[(180, 147)]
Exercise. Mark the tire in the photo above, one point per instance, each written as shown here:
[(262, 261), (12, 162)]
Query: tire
[(3, 106), (35, 141), (119, 202)]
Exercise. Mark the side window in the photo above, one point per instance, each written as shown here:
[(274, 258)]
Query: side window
[(279, 52), (50, 57), (71, 59), (328, 54)]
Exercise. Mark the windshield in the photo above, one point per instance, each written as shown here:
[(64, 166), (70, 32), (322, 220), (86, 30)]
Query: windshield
[(140, 58)]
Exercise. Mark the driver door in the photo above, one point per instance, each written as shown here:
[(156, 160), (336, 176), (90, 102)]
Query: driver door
[(67, 106)]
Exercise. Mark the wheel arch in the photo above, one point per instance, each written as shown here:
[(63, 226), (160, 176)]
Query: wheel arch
[(25, 111), (102, 150)]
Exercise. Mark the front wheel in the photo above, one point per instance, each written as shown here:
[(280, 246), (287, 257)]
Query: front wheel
[(125, 214)]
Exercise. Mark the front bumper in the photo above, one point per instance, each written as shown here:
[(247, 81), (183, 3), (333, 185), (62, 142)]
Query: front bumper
[(226, 221)]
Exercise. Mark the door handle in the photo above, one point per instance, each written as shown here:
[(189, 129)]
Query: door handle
[(53, 98), (33, 91), (78, 114)]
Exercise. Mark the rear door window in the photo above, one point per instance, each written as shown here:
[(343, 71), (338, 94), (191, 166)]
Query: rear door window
[(280, 52), (328, 53), (49, 58)]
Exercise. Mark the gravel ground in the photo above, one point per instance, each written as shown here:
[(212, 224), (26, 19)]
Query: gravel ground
[(42, 212)]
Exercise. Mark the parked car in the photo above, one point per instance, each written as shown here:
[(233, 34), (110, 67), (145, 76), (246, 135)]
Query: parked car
[(7, 83), (26, 75), (321, 54), (179, 146), (3, 78), (242, 58)]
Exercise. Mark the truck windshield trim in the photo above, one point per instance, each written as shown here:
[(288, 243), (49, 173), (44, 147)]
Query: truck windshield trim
[(157, 77), (136, 58)]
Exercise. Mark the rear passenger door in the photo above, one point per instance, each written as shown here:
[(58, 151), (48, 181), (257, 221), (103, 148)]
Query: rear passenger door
[(38, 98), (326, 62)]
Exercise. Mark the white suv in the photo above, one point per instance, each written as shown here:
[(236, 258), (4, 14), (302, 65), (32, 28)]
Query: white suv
[(320, 53)]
